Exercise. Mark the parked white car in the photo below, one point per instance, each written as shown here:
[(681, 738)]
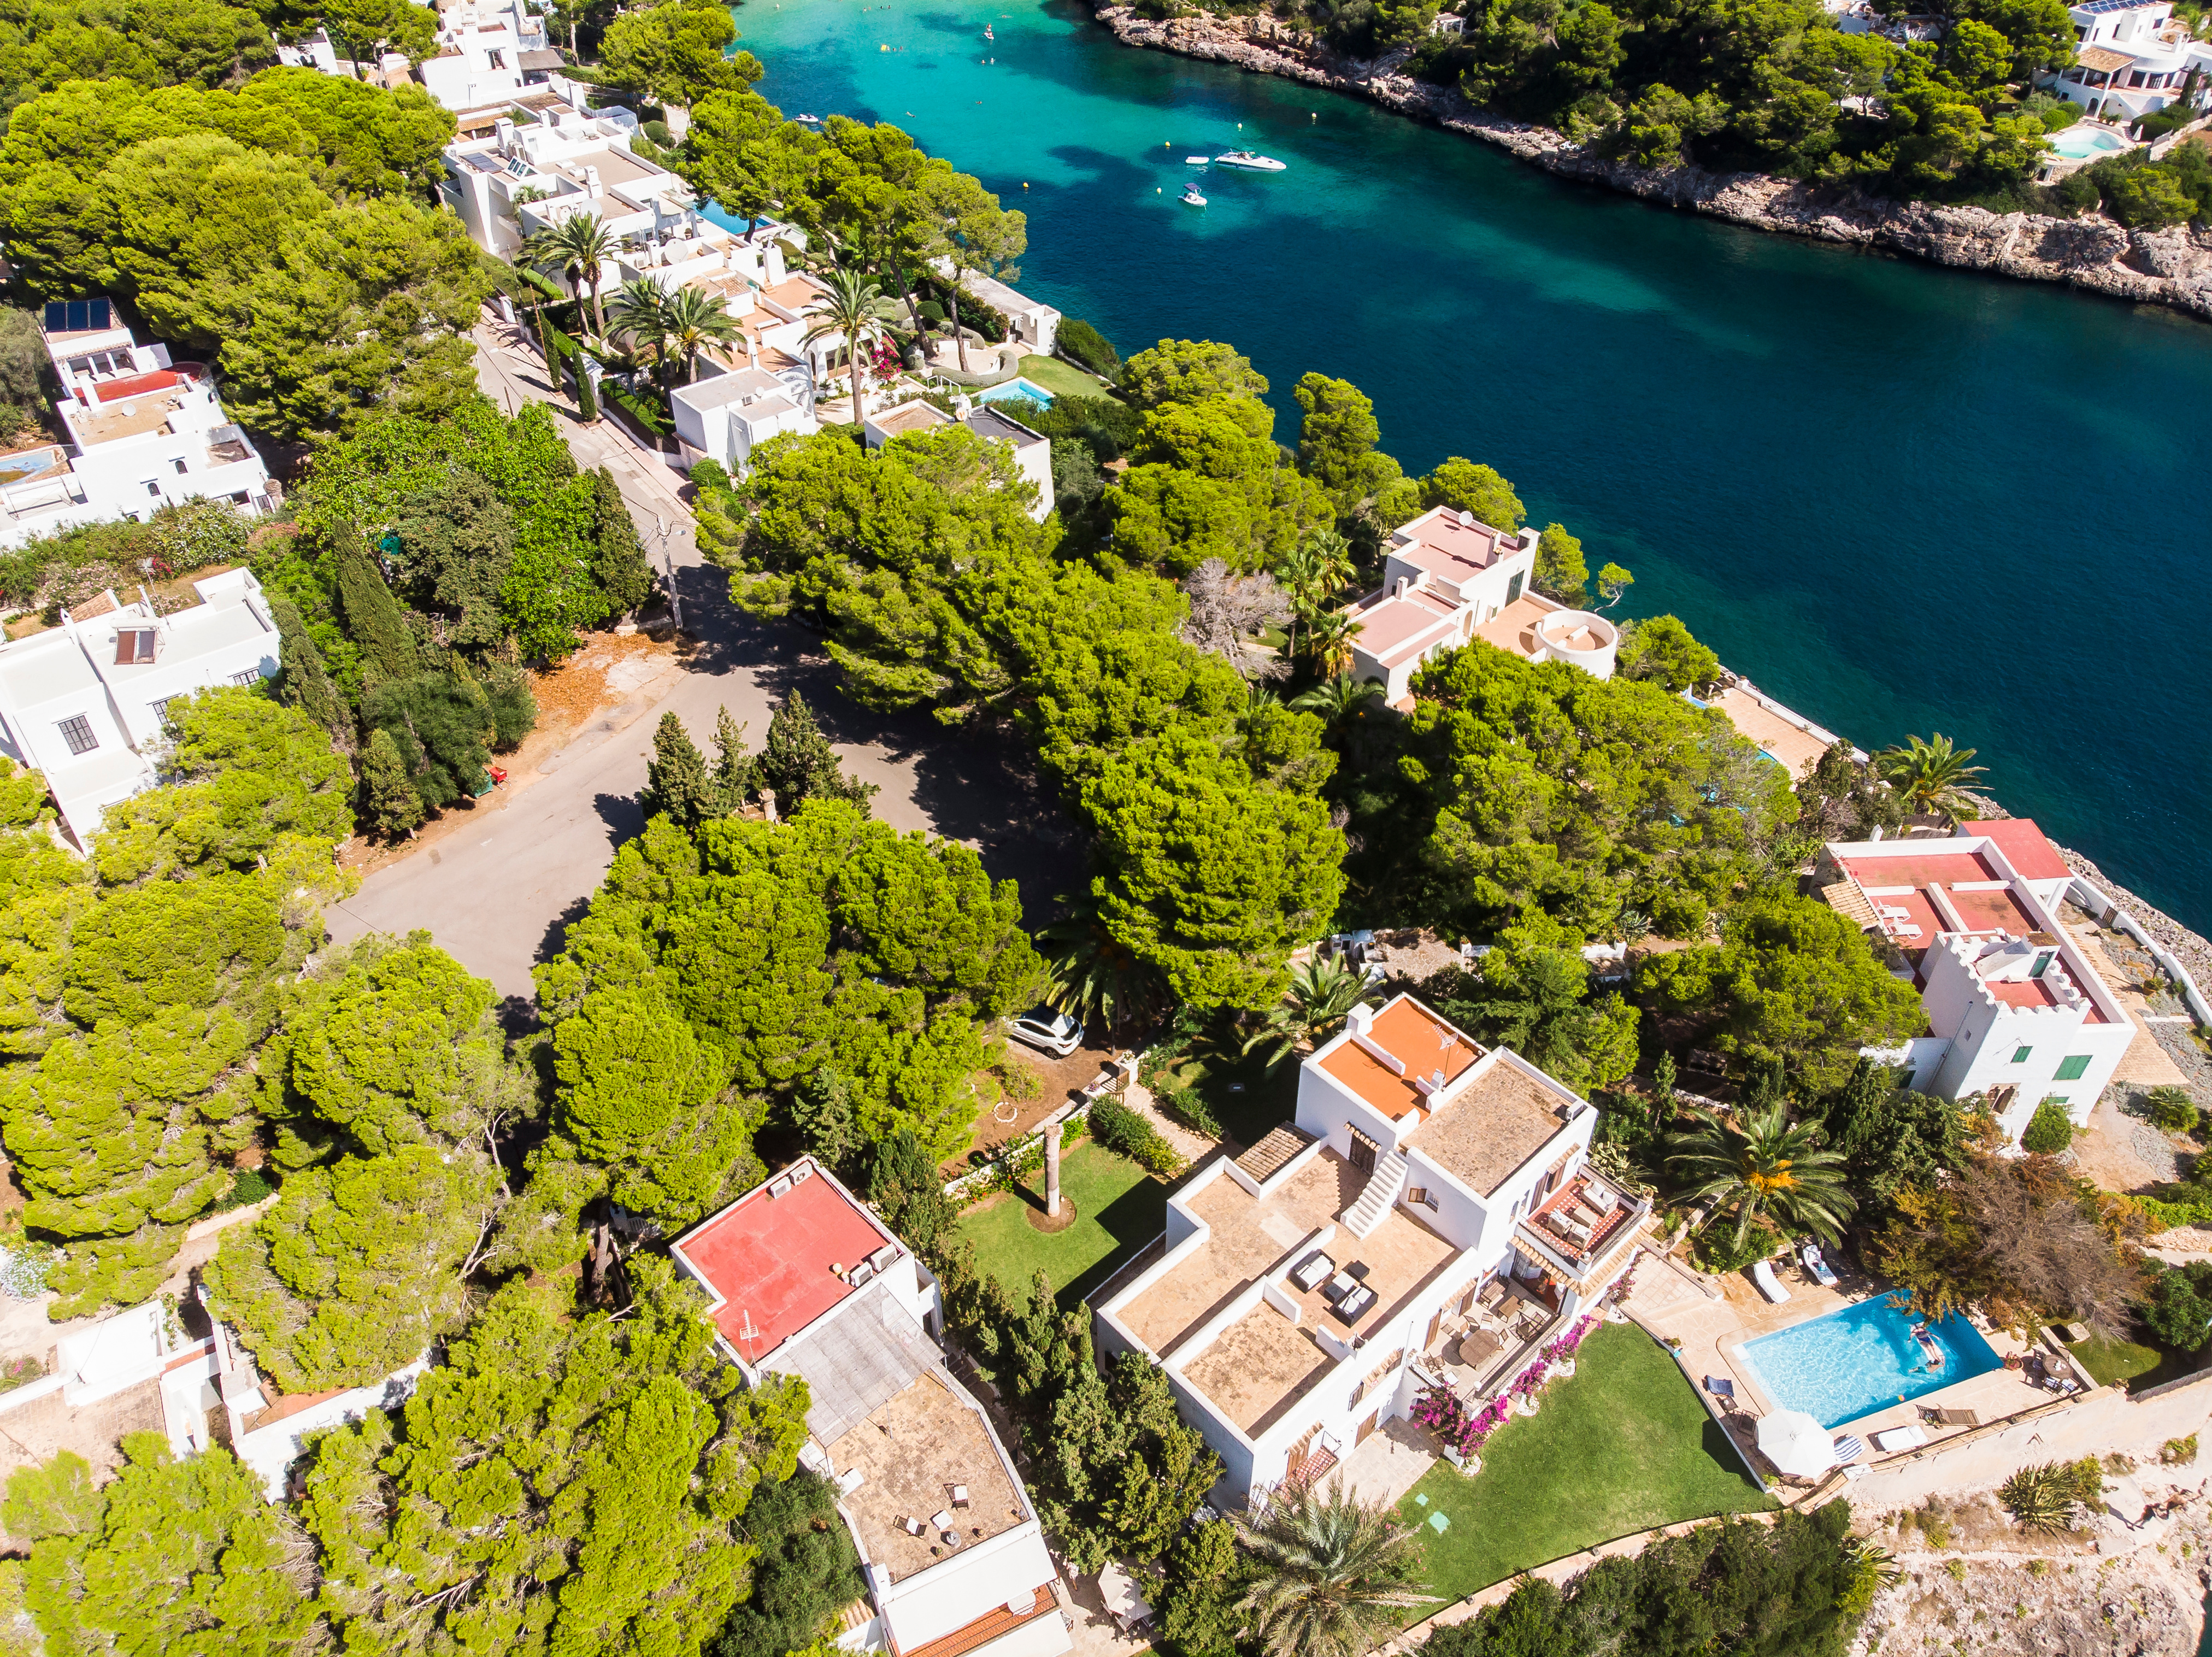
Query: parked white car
[(1048, 1030)]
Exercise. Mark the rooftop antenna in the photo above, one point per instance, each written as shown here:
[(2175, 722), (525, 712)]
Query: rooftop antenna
[(746, 1330)]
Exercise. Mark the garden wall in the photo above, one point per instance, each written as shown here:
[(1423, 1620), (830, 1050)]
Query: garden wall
[(2106, 1420)]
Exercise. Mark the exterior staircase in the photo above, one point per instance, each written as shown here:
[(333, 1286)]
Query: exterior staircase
[(1374, 1205)]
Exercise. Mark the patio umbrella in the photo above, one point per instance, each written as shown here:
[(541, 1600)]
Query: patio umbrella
[(1796, 1444)]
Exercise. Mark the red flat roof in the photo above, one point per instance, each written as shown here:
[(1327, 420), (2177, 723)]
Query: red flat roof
[(769, 1259), (1919, 869), (2024, 992), (2025, 846)]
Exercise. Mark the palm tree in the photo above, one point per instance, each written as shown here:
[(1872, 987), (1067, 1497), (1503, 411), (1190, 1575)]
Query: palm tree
[(1334, 1576), (1931, 774), (641, 311), (1329, 634), (855, 308), (694, 321), (1337, 699), (1095, 975), (1321, 993), (575, 249), (1760, 1160)]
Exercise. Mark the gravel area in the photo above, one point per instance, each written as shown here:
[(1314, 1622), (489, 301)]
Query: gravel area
[(2124, 1152), (2184, 1042)]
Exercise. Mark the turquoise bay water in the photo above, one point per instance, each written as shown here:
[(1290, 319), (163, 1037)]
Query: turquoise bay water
[(1899, 498), (1853, 1363)]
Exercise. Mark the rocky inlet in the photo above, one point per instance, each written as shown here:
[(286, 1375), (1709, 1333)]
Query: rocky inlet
[(2160, 267)]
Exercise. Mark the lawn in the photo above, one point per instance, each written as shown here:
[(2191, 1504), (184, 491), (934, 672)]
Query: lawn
[(1621, 1447), (1061, 379), (2140, 1367), (1242, 1091), (1119, 1208)]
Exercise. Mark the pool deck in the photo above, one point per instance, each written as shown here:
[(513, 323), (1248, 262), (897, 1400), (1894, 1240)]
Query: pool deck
[(1670, 1299)]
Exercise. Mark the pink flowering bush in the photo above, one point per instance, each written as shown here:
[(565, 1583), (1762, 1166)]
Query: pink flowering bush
[(1564, 1348), (1531, 1380), (1446, 1415)]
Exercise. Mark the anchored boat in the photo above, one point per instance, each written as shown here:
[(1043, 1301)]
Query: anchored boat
[(1250, 162)]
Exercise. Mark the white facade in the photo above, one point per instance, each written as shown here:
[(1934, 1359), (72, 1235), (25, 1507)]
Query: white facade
[(1424, 1188), (726, 417), (1032, 450), (2133, 57), (82, 704), (487, 52), (804, 1280), (1449, 579), (2016, 1014), (145, 432), (1034, 323)]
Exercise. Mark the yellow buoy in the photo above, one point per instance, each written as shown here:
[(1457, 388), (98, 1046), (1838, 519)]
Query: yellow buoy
[(1025, 184)]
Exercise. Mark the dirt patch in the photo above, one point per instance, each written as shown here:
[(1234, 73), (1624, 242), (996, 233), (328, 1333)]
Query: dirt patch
[(608, 671), (1040, 1220)]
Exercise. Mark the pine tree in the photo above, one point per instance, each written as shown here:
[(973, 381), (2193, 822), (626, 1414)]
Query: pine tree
[(619, 565), (388, 799), (513, 708), (304, 683), (799, 764), (372, 615), (734, 769), (677, 785)]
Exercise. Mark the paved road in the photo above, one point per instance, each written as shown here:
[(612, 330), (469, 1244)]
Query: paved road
[(498, 897)]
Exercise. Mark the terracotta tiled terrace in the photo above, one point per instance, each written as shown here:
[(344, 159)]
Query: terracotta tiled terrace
[(1572, 1219), (1263, 1364), (910, 1453), (1514, 628)]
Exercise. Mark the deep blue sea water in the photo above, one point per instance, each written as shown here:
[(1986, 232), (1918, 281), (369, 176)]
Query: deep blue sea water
[(1862, 1359), (1898, 497)]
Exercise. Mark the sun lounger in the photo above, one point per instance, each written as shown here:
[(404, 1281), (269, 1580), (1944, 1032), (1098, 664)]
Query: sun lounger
[(1899, 1437), (1951, 1417), (1817, 1265), (1720, 1387), (1769, 1284)]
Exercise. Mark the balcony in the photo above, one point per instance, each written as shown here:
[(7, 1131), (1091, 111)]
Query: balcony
[(1583, 1230)]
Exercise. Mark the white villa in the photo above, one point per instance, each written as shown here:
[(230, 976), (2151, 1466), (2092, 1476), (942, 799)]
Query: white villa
[(2134, 56), (486, 52), (1448, 579), (143, 432), (1431, 1219), (1032, 451), (84, 703), (804, 1280), (2014, 1010)]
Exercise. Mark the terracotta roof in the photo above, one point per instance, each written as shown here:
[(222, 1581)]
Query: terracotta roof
[(1416, 1038), (988, 1627), (2103, 61), (2031, 855)]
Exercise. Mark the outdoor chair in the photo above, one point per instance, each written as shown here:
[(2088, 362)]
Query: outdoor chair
[(1721, 1387), (1951, 1417)]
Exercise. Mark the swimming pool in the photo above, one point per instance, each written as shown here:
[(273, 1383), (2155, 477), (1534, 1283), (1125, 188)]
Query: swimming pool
[(1017, 390), (2082, 144), (1854, 1361)]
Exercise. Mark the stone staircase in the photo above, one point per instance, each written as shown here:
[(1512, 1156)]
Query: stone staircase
[(1374, 1205)]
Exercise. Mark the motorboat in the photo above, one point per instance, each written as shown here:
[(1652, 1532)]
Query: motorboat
[(1191, 197), (1250, 161), (808, 120)]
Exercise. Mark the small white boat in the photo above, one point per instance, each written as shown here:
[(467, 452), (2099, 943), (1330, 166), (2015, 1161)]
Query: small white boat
[(1198, 160), (1191, 197), (1247, 159), (808, 120)]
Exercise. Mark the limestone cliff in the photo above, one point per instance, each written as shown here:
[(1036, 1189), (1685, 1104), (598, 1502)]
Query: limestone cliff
[(2166, 267)]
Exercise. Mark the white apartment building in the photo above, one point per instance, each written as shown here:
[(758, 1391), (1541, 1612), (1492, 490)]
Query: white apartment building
[(1032, 450), (804, 1280), (84, 704), (726, 417), (2134, 57), (1449, 579), (143, 432), (2015, 1012), (1314, 1286), (487, 52)]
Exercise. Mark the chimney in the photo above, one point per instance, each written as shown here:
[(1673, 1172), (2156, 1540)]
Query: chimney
[(503, 135), (1360, 1020), (591, 182)]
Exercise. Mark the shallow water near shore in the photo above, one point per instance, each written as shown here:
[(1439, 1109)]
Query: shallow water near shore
[(1898, 497)]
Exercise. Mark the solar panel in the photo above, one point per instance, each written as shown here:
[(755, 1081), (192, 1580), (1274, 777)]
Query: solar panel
[(79, 315)]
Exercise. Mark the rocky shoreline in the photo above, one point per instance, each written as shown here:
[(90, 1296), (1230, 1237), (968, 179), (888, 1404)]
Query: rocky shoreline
[(2169, 267)]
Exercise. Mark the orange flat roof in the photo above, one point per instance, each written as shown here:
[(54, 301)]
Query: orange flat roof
[(1413, 1036), (2025, 846)]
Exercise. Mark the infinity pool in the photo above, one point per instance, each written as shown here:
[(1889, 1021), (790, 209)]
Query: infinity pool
[(1853, 1363), (1017, 390)]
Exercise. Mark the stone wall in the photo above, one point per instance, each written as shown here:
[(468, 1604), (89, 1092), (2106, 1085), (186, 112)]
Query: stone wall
[(2164, 267)]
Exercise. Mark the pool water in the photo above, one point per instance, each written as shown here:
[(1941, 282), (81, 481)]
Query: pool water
[(1017, 390), (2081, 144), (1853, 1363)]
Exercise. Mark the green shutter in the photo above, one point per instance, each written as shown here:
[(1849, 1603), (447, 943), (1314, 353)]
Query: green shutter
[(2019, 1055), (2072, 1068)]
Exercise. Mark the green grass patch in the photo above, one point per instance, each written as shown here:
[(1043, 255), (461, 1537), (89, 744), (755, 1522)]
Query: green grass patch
[(1621, 1447), (1061, 379), (2111, 1363), (1119, 1208)]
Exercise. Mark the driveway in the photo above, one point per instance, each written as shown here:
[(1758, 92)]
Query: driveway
[(500, 897)]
